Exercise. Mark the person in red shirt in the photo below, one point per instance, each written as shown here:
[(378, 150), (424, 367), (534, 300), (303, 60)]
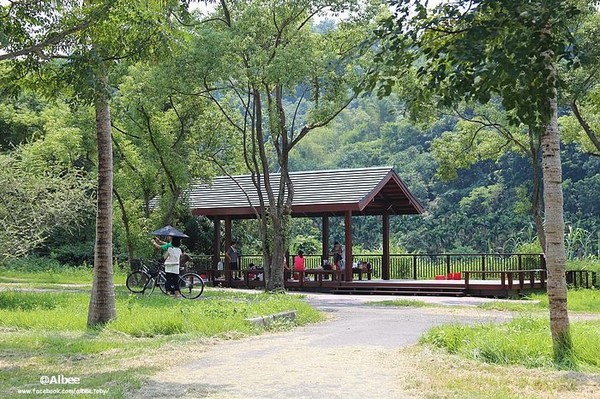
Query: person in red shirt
[(299, 263)]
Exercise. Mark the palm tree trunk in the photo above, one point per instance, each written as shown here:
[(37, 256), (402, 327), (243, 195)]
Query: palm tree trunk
[(102, 302), (555, 244)]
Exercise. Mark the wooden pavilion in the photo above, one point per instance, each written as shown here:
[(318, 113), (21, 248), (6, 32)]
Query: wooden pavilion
[(325, 193)]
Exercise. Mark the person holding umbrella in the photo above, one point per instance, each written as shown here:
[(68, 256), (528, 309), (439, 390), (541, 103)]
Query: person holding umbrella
[(169, 232), (172, 256)]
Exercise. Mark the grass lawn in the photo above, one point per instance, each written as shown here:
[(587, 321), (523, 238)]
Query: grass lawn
[(526, 340), (43, 334)]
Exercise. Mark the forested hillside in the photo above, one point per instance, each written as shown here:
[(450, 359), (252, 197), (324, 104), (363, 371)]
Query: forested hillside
[(174, 122), (485, 207)]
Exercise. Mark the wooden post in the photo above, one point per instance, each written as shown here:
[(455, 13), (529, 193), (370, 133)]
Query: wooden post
[(216, 242), (325, 239), (228, 272), (414, 266), (385, 260), (348, 244), (521, 279), (543, 261), (483, 267)]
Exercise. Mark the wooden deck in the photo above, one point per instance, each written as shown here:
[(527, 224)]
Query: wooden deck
[(509, 284)]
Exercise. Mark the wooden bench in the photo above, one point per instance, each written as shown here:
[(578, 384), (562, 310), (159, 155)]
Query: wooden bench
[(320, 274), (360, 271)]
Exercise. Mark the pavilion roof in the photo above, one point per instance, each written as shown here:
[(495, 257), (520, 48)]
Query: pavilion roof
[(366, 191)]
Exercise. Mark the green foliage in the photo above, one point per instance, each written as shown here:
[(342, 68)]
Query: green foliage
[(579, 242), (486, 207), (152, 163), (33, 264), (43, 271), (216, 315), (475, 54), (408, 303), (24, 301), (149, 316), (309, 245), (578, 300), (582, 89), (482, 133), (592, 263), (524, 341), (38, 204), (43, 332), (78, 253), (19, 120)]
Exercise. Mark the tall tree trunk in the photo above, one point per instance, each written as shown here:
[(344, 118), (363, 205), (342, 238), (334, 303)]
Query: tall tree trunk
[(555, 244), (102, 303), (276, 266), (536, 200)]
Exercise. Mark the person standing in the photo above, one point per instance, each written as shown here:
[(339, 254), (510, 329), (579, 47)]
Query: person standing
[(172, 257), (232, 257), (336, 252)]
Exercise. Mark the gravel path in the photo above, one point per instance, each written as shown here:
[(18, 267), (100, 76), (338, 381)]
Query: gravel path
[(325, 360)]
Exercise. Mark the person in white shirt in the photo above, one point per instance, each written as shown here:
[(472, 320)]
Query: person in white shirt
[(172, 256)]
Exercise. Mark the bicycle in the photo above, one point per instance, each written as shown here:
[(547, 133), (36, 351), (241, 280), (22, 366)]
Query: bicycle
[(144, 281)]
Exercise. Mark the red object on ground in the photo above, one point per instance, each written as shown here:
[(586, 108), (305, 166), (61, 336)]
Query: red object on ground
[(456, 276), (440, 277)]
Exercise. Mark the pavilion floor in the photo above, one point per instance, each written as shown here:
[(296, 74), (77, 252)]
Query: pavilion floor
[(477, 288)]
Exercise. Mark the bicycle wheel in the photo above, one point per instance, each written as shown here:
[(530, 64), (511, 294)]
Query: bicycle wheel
[(191, 285), (162, 282), (150, 286), (137, 281)]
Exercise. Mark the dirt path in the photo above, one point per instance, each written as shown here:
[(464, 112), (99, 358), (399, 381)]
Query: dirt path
[(354, 355)]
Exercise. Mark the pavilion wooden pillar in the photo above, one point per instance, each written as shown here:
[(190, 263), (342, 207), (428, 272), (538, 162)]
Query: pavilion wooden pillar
[(227, 232), (385, 261), (325, 239), (216, 242), (348, 245), (228, 275)]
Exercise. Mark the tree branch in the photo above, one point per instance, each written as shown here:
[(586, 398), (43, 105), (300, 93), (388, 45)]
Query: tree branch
[(181, 123), (56, 37), (307, 128), (586, 127)]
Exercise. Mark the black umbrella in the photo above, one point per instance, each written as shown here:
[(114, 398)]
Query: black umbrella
[(169, 231)]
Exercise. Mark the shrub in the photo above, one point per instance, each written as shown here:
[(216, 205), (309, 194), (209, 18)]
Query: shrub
[(75, 254), (33, 264)]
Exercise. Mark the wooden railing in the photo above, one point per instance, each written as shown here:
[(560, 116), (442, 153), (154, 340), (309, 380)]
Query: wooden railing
[(415, 266), (514, 279), (582, 278), (427, 266)]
